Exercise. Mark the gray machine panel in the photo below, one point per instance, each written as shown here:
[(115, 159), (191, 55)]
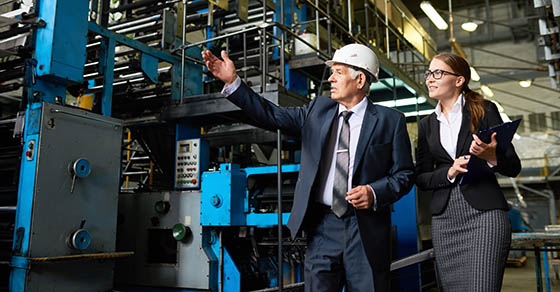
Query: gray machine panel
[(190, 267), (68, 134)]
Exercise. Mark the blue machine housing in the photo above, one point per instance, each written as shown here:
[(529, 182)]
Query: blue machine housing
[(61, 44), (225, 202), (222, 199)]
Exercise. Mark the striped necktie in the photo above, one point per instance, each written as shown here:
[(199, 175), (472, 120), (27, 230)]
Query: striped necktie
[(340, 188)]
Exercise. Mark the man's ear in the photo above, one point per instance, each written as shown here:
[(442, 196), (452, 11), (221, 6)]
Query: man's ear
[(362, 80)]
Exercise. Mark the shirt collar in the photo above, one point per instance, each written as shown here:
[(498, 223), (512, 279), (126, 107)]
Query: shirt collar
[(358, 110), (457, 106)]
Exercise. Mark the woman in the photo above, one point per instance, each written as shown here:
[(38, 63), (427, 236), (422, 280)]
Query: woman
[(471, 231)]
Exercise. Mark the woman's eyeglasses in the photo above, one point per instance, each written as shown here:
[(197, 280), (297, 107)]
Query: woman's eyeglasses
[(437, 74)]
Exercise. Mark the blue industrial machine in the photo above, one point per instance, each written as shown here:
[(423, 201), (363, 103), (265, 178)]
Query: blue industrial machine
[(230, 244), (69, 177), (130, 171)]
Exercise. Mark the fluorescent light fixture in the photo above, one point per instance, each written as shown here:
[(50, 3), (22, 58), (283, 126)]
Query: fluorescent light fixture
[(419, 113), (525, 83), (469, 26), (402, 102), (486, 90), (474, 75), (433, 15)]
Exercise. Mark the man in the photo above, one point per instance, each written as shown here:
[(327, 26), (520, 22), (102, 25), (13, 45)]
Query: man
[(342, 197)]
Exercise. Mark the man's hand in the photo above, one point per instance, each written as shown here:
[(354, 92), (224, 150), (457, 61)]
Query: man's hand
[(223, 70), (485, 151), (361, 197)]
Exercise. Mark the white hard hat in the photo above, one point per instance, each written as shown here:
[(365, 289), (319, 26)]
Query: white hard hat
[(359, 56)]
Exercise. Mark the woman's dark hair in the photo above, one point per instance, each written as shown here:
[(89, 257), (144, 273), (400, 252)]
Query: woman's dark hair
[(474, 101)]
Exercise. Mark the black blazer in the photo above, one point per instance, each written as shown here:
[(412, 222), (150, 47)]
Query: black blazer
[(433, 162), (383, 160)]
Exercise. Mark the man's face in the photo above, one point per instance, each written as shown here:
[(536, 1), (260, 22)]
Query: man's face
[(343, 87)]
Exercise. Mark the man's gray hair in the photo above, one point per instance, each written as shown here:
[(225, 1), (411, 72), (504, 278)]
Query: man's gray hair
[(354, 73)]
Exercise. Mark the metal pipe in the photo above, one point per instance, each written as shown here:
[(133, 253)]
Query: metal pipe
[(264, 55), (366, 12), (15, 31), (265, 62), (245, 56), (552, 207), (329, 49), (387, 28), (349, 3), (280, 221), (8, 121), (150, 25), (377, 37), (317, 27), (138, 4), (261, 53), (134, 22), (221, 272), (329, 38), (282, 44), (279, 165), (451, 35), (183, 52)]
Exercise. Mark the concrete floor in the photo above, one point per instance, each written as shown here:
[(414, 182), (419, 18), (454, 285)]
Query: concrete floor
[(523, 279)]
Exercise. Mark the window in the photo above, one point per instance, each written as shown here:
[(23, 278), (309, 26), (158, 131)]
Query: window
[(537, 122), (555, 116)]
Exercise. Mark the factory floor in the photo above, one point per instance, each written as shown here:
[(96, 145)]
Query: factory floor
[(523, 279)]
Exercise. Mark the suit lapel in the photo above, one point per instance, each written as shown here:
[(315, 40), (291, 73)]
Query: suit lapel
[(366, 133), (465, 132), (329, 119)]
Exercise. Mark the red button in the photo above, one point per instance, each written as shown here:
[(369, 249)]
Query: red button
[(193, 181), (28, 154)]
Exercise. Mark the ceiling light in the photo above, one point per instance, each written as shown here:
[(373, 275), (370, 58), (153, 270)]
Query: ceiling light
[(402, 102), (487, 91), (469, 26), (433, 15), (474, 75), (419, 113), (525, 83)]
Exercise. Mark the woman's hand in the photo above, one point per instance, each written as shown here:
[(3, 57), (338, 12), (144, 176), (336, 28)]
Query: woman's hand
[(483, 150), (458, 167)]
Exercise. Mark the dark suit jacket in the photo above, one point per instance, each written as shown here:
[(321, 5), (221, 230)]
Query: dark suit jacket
[(382, 160), (433, 162)]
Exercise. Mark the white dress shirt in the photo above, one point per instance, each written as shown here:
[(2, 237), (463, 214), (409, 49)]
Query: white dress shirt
[(449, 129), (355, 122)]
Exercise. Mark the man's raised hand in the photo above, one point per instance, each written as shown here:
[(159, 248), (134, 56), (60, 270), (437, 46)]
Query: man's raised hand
[(223, 70)]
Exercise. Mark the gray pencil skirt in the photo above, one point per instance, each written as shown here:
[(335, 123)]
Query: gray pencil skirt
[(470, 246)]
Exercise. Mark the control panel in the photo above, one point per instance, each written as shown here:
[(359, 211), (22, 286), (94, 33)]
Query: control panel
[(190, 160)]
